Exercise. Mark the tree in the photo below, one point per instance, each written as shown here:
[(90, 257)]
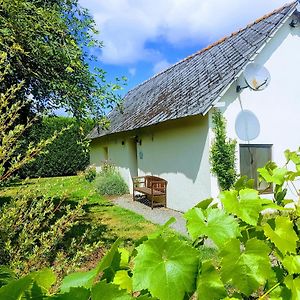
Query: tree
[(11, 131), (47, 44)]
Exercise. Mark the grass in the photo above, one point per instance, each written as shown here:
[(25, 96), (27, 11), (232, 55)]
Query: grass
[(106, 221), (111, 220)]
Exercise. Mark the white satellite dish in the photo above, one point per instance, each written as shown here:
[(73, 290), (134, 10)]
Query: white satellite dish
[(257, 77), (247, 126)]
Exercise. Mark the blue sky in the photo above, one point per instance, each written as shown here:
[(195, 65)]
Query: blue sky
[(143, 37)]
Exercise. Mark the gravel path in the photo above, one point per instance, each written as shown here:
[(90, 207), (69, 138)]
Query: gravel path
[(158, 215)]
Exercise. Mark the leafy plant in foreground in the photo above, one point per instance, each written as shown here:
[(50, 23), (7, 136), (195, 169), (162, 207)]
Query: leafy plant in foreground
[(258, 253)]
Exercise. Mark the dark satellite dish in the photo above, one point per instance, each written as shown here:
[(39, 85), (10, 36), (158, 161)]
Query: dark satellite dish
[(257, 77), (247, 126)]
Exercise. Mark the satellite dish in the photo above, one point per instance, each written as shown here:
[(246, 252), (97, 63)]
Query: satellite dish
[(247, 126), (257, 77)]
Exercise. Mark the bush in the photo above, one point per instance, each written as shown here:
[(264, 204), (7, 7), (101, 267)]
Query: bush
[(222, 153), (38, 232), (110, 182), (90, 173), (68, 154)]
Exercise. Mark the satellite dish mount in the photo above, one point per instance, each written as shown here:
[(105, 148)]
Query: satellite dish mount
[(256, 77)]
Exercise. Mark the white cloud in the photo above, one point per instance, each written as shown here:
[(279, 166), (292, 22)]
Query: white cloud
[(126, 25), (132, 71), (160, 66)]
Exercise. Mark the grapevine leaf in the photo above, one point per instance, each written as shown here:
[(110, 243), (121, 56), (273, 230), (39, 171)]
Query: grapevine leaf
[(283, 236), (246, 270), (213, 223), (123, 280), (161, 230), (292, 264), (243, 183), (209, 284), (280, 293), (79, 279), (294, 285), (205, 203), (6, 276), (15, 289), (86, 279), (44, 279), (246, 204), (78, 293), (276, 175), (166, 268), (108, 291), (124, 259)]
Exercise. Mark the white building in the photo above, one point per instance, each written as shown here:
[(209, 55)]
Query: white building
[(165, 128)]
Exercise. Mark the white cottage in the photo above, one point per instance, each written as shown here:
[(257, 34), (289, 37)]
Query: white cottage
[(165, 127)]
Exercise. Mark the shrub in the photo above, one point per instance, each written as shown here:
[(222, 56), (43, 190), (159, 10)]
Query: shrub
[(110, 182), (37, 232), (222, 153), (68, 154), (90, 173)]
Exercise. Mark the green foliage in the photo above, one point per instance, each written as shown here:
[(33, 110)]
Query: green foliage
[(173, 262), (222, 153), (47, 46), (212, 223), (257, 256), (12, 130), (90, 173), (66, 155), (110, 182), (36, 232)]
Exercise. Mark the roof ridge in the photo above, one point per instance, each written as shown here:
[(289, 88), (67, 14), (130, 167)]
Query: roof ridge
[(218, 42)]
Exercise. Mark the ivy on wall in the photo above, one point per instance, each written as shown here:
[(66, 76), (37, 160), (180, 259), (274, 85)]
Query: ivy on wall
[(222, 153)]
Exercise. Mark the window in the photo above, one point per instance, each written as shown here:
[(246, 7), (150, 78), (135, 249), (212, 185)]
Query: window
[(253, 157)]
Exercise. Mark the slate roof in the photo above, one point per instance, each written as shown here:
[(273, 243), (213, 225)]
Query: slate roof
[(192, 85)]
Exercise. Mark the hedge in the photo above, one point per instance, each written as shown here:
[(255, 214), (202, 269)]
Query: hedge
[(66, 155)]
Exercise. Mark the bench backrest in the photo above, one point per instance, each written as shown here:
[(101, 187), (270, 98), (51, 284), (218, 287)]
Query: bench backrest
[(156, 183)]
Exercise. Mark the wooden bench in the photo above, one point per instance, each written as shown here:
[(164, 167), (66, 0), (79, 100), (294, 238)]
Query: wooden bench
[(155, 189)]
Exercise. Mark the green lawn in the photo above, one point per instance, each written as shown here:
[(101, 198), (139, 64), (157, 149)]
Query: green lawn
[(110, 220)]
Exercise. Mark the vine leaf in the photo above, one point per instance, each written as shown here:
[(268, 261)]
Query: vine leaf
[(109, 291), (292, 264), (209, 284), (167, 268), (15, 289), (213, 223), (123, 280), (273, 175), (34, 285), (283, 236), (246, 204), (294, 286), (78, 293), (246, 270), (44, 278), (86, 279)]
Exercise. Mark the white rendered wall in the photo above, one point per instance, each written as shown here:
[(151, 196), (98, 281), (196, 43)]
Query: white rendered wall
[(118, 154), (278, 107), (176, 151)]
